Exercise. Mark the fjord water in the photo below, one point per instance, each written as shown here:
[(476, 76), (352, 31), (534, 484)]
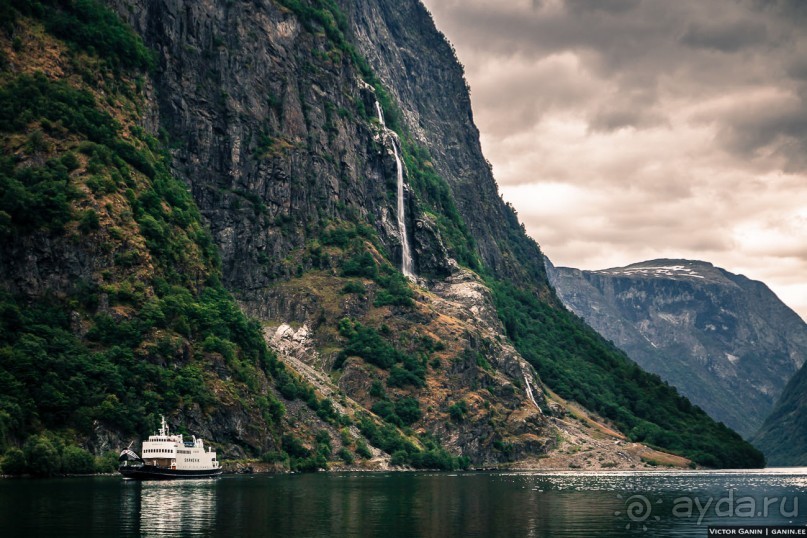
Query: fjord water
[(404, 504)]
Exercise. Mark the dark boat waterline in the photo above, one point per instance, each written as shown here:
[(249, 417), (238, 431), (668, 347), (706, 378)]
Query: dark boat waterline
[(151, 472)]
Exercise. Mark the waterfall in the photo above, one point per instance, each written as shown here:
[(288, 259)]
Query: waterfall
[(380, 115), (406, 254), (530, 395)]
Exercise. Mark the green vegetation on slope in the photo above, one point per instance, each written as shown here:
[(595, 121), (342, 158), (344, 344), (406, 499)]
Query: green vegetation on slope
[(365, 342), (435, 195), (143, 333), (783, 436), (86, 25), (578, 364)]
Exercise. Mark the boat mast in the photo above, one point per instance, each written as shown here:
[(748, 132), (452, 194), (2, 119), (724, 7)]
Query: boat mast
[(163, 427)]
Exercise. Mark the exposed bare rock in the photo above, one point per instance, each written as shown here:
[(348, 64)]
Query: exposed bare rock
[(725, 341)]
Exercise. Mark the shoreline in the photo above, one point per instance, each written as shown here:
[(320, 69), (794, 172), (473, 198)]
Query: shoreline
[(514, 470)]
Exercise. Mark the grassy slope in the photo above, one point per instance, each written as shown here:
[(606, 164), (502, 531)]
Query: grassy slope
[(782, 436), (580, 365)]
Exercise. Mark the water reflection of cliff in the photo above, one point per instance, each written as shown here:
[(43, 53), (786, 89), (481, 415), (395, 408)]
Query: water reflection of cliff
[(558, 505), (186, 507), (410, 504)]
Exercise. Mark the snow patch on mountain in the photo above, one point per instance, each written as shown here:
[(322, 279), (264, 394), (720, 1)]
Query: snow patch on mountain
[(662, 271)]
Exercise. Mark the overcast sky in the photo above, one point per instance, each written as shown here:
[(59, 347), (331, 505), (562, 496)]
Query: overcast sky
[(626, 130)]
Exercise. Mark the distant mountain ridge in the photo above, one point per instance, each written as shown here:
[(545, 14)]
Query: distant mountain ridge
[(725, 341)]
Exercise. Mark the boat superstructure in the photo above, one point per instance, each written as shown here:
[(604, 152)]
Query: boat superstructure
[(166, 456)]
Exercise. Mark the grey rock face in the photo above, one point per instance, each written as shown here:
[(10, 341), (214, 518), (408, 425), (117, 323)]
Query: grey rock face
[(430, 251), (726, 342), (419, 68), (268, 129), (264, 129)]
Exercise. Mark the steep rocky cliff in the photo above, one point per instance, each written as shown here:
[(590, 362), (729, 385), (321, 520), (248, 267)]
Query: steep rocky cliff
[(275, 129), (727, 342), (419, 68), (289, 121)]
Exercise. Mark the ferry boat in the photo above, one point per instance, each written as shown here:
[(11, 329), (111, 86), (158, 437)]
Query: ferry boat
[(165, 457)]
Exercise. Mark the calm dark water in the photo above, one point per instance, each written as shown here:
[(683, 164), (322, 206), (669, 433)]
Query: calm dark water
[(406, 504)]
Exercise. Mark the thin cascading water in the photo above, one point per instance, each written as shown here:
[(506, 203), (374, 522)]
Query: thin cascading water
[(406, 255)]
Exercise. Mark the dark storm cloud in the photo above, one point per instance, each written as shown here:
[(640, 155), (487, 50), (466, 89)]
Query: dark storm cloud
[(605, 6), (727, 37), (764, 131), (612, 117), (632, 48), (629, 129), (795, 11), (625, 60), (796, 67)]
